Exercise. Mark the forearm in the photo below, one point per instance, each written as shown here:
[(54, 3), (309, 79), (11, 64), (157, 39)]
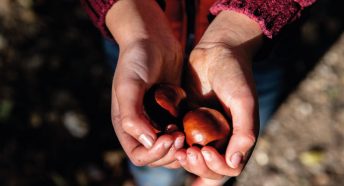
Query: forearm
[(134, 20)]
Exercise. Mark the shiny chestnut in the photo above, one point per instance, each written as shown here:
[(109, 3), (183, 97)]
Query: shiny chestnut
[(163, 104), (204, 126), (166, 104)]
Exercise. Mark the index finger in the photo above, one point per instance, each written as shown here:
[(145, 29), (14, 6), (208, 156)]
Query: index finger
[(137, 153), (129, 93)]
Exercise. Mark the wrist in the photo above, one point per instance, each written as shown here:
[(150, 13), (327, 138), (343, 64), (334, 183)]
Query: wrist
[(130, 21), (233, 30)]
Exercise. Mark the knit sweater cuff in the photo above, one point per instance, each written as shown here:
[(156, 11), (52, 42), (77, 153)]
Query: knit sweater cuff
[(97, 9), (271, 15)]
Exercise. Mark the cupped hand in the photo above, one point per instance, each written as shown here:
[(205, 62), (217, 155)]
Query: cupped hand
[(149, 54), (220, 67)]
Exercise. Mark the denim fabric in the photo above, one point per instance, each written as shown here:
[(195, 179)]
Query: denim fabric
[(269, 89), (148, 176), (112, 53)]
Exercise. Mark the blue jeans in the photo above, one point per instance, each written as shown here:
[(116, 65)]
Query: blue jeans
[(269, 89)]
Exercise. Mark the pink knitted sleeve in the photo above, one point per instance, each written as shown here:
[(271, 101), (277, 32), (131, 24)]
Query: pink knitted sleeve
[(272, 15)]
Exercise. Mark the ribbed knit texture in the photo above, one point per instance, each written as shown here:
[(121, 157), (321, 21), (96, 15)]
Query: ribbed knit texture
[(272, 15)]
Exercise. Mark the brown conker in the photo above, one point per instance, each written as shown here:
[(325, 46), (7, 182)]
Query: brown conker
[(166, 104), (204, 126), (163, 103)]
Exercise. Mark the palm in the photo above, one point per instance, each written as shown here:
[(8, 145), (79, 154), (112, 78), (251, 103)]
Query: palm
[(220, 75)]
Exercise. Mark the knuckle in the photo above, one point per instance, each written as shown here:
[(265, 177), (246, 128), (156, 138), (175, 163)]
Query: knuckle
[(245, 97), (115, 117), (215, 177), (219, 177), (196, 53), (246, 141), (173, 166), (235, 173), (128, 123), (245, 138), (152, 165), (222, 177), (250, 139), (138, 162), (215, 166), (120, 88), (203, 172)]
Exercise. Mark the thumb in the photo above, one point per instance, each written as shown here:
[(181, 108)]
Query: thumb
[(130, 95), (245, 120), (245, 127)]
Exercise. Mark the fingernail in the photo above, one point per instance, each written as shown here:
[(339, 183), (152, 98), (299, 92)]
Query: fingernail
[(192, 156), (146, 141), (236, 160), (168, 144), (206, 155), (179, 143)]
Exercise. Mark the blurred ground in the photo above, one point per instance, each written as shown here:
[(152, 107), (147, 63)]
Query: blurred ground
[(55, 124), (303, 144)]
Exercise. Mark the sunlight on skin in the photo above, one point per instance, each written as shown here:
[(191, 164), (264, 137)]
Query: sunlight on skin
[(222, 54)]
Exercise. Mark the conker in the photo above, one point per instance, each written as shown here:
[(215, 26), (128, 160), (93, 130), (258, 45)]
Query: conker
[(166, 104), (163, 103), (205, 126)]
